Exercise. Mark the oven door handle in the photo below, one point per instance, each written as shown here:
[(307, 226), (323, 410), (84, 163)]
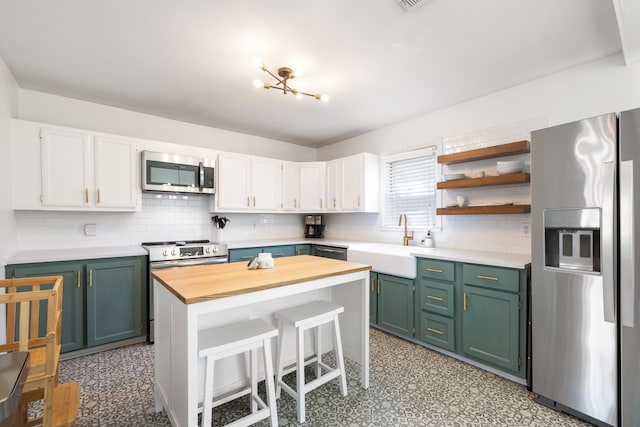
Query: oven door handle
[(160, 265)]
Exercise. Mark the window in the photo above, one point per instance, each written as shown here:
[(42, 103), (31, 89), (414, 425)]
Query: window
[(410, 188)]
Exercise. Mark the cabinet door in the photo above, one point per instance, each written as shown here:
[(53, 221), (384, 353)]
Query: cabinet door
[(395, 304), (116, 166), (244, 254), (312, 187), (72, 325), (373, 297), (290, 187), (116, 300), (234, 182), (490, 326), (67, 168), (352, 183), (303, 249), (333, 185), (265, 184)]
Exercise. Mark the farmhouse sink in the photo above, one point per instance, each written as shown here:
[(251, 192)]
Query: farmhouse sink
[(385, 258)]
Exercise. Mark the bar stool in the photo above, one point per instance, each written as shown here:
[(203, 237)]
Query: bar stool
[(303, 317), (237, 338)]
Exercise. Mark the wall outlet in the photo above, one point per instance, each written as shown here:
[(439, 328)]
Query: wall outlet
[(526, 228), (90, 229)]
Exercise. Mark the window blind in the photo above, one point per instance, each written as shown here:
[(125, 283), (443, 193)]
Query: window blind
[(410, 188)]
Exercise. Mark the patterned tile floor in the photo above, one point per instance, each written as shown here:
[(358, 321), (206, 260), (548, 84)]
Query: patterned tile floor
[(410, 386)]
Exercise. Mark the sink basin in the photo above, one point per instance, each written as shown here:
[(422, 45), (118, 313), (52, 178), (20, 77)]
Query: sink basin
[(385, 258)]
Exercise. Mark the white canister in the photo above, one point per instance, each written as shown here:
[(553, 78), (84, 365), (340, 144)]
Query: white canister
[(265, 260)]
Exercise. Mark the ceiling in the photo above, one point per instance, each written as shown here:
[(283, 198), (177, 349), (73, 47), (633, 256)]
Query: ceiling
[(380, 64)]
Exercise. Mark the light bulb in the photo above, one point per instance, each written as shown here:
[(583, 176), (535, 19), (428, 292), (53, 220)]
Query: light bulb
[(257, 84), (298, 95), (324, 98)]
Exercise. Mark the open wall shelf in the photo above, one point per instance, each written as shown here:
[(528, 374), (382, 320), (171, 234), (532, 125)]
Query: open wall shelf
[(502, 150), (485, 210), (513, 178)]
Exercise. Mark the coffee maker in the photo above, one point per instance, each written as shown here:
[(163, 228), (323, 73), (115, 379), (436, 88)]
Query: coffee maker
[(313, 226)]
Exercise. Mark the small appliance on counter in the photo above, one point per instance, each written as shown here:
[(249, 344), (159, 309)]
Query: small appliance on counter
[(313, 226)]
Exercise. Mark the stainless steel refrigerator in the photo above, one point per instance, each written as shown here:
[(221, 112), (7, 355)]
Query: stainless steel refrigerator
[(585, 307)]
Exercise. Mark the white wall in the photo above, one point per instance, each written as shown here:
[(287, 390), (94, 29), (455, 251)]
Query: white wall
[(595, 88), (58, 110), (8, 108)]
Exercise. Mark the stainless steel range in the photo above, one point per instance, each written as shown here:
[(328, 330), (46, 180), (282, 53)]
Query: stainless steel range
[(163, 255)]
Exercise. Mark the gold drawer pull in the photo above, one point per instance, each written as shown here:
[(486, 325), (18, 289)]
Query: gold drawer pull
[(487, 277), (79, 282), (435, 298), (434, 270), (435, 331), (465, 302), (247, 257), (278, 255)]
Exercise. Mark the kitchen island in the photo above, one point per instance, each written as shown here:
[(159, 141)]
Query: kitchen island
[(194, 298)]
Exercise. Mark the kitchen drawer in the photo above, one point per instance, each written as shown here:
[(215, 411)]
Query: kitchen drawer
[(504, 279), (437, 297), (244, 254), (438, 330), (435, 269), (280, 251)]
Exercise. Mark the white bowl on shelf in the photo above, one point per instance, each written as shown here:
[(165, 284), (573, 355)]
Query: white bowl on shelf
[(505, 168), (453, 176)]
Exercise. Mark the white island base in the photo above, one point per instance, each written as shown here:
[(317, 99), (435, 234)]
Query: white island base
[(179, 373)]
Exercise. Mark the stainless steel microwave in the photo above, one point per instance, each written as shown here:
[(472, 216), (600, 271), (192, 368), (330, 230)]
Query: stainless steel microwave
[(172, 173)]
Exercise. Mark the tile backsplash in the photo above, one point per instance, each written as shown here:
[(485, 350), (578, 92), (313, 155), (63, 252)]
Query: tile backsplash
[(159, 219)]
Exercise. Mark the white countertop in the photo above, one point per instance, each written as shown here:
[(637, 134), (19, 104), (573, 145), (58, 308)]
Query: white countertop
[(49, 255), (498, 259)]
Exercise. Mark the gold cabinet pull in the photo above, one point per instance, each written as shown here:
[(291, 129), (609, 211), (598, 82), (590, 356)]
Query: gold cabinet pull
[(435, 298), (373, 285), (378, 285), (278, 255), (86, 195), (465, 302), (247, 257), (79, 279), (98, 195), (295, 203), (434, 270), (248, 201), (334, 202), (487, 277), (358, 201), (320, 203), (254, 201), (435, 331), (90, 278)]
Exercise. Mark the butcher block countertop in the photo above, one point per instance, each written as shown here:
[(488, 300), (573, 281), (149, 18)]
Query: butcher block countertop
[(207, 282)]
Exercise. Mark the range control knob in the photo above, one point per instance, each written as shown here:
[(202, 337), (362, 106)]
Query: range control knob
[(174, 252), (165, 252), (208, 250), (215, 249)]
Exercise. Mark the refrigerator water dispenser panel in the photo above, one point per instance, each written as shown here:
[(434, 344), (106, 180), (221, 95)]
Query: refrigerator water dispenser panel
[(572, 240)]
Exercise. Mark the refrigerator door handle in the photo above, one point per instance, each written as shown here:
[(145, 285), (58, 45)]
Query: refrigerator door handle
[(627, 248), (608, 242)]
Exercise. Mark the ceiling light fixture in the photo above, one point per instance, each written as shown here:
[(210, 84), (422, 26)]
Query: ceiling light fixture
[(284, 75)]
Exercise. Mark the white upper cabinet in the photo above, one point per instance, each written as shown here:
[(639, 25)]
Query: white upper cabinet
[(67, 159), (290, 186), (312, 187), (360, 183), (71, 169), (116, 166), (353, 183), (247, 183), (333, 182), (266, 184)]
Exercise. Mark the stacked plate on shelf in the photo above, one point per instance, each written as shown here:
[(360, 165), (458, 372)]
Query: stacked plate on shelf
[(507, 167)]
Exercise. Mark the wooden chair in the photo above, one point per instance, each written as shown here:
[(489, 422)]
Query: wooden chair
[(34, 315)]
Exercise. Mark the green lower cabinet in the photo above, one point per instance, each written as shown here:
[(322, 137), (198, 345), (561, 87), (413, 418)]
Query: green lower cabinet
[(247, 254), (395, 304), (438, 330), (103, 300), (114, 301), (303, 249), (72, 325), (491, 327)]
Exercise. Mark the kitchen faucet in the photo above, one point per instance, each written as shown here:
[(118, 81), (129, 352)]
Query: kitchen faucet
[(406, 237)]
